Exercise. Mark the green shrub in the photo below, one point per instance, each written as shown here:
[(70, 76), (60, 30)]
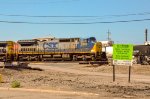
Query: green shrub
[(15, 84)]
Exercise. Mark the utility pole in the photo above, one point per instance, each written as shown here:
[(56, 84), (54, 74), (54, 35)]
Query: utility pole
[(109, 34), (146, 35)]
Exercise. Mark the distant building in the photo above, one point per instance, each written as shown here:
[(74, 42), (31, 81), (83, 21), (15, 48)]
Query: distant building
[(107, 47), (147, 43), (107, 43)]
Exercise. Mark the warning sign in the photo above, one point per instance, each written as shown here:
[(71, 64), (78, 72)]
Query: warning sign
[(122, 51), (123, 62), (122, 54)]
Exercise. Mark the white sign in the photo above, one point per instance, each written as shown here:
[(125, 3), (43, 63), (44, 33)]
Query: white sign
[(122, 62)]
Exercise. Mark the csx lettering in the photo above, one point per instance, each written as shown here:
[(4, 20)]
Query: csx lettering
[(50, 45)]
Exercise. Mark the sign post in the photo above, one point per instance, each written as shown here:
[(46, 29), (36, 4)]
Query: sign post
[(122, 55), (113, 73), (129, 74)]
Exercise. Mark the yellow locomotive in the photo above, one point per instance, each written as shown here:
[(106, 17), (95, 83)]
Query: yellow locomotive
[(8, 50)]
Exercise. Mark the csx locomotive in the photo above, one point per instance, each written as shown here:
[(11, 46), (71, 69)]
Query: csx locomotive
[(52, 49)]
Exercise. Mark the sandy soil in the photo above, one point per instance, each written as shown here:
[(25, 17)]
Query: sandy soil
[(80, 78)]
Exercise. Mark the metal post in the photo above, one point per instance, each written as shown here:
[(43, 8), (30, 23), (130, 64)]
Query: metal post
[(113, 73), (129, 74)]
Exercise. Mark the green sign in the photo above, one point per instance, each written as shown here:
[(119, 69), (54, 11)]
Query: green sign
[(122, 51)]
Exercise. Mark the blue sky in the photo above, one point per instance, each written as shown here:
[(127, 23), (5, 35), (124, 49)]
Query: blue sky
[(129, 32)]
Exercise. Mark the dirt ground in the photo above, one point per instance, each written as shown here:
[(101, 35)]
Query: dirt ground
[(81, 78)]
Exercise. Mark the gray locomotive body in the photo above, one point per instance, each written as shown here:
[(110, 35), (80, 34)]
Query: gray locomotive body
[(56, 48)]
